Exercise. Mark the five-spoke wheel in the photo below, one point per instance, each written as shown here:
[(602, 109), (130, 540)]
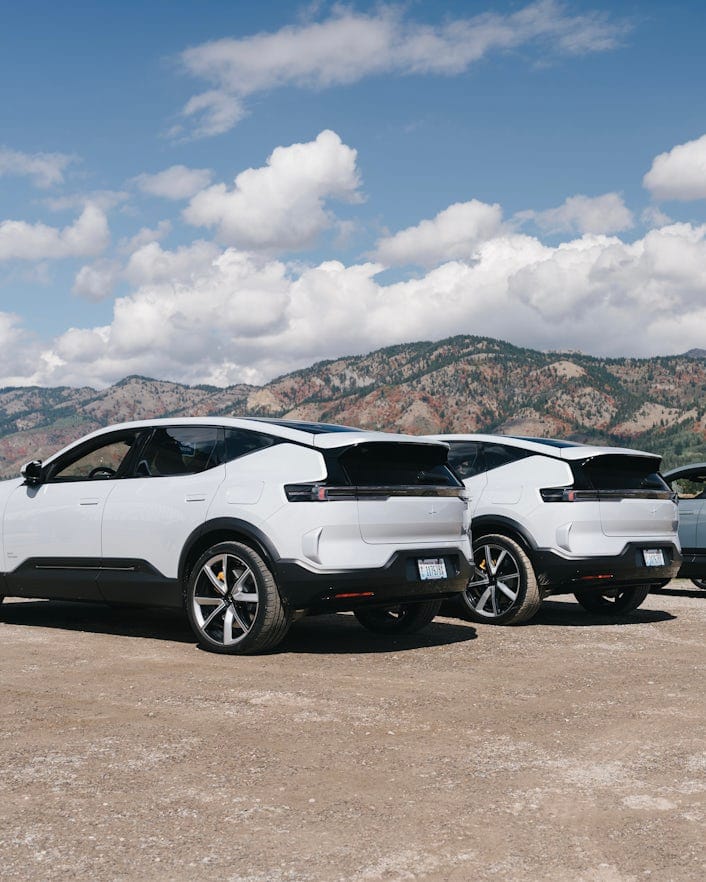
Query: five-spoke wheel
[(503, 589), (232, 601)]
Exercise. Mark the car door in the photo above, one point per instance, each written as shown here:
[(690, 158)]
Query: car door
[(151, 513), (52, 530)]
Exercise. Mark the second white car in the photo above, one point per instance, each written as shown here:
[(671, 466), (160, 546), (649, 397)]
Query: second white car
[(555, 517)]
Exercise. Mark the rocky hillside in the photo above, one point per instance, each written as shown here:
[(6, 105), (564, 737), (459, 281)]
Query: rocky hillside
[(455, 385)]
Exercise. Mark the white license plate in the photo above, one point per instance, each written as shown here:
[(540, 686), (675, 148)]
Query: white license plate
[(654, 557), (432, 568)]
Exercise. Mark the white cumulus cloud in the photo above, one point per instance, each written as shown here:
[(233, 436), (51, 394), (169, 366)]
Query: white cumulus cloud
[(240, 317), (281, 205), (453, 234), (89, 235), (19, 351), (679, 173), (348, 46), (175, 182), (584, 214), (152, 263), (96, 281)]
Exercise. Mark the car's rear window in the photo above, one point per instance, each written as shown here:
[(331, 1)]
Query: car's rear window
[(240, 442), (618, 472), (392, 464)]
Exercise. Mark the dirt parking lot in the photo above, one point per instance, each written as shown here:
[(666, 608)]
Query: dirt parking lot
[(568, 749)]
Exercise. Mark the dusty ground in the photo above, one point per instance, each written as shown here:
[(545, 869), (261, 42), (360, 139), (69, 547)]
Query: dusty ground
[(568, 749)]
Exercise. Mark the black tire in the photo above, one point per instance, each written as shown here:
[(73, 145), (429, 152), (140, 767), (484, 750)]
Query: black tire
[(618, 601), (503, 589), (232, 601), (404, 618), (700, 583)]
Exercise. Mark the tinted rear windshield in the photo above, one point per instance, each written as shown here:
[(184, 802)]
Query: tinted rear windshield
[(618, 472), (394, 464)]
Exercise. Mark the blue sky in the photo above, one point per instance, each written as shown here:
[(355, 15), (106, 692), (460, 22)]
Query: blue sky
[(222, 192)]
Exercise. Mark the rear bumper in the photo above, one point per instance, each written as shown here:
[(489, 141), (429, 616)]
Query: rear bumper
[(560, 575), (397, 582)]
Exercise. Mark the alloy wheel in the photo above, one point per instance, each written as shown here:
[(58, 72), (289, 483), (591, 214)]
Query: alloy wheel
[(494, 587), (225, 599)]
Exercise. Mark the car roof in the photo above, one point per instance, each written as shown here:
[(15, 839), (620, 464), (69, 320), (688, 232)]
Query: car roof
[(553, 447), (693, 468), (312, 434)]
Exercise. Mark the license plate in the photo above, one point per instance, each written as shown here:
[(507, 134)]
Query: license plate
[(654, 557), (432, 568)]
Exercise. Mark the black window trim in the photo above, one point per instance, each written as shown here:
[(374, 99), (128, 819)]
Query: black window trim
[(78, 451)]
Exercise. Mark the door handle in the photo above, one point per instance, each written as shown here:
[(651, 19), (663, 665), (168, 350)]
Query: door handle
[(88, 501), (196, 498)]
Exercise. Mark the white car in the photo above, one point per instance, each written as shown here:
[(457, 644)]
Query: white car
[(247, 523), (554, 517)]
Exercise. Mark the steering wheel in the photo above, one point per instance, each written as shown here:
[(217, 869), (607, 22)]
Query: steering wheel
[(102, 471)]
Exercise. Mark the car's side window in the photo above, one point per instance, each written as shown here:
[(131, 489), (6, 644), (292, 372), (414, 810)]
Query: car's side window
[(496, 455), (691, 487), (179, 450), (238, 442), (98, 459), (465, 459)]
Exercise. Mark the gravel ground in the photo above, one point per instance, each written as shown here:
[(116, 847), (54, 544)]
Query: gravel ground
[(571, 748)]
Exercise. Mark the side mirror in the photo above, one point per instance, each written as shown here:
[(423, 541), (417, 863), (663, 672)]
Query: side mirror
[(32, 472)]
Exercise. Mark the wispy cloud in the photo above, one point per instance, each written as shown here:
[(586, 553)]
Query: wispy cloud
[(349, 46), (45, 169)]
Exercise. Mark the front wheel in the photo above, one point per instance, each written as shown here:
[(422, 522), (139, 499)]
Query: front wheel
[(403, 618), (232, 601), (503, 589), (615, 601), (700, 583)]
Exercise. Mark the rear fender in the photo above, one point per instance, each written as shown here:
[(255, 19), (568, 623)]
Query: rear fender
[(486, 524)]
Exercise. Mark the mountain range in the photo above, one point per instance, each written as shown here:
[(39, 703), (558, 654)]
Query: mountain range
[(461, 384)]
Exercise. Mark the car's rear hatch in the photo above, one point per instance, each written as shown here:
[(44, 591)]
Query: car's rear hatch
[(633, 498), (405, 492)]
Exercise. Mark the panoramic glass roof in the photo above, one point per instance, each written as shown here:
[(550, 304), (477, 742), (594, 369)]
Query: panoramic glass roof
[(550, 442), (312, 428)]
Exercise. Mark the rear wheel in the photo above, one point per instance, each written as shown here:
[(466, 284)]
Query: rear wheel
[(232, 601), (700, 583), (503, 589), (618, 600), (403, 618)]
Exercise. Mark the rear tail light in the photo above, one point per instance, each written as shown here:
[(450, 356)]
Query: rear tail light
[(568, 494), (319, 492)]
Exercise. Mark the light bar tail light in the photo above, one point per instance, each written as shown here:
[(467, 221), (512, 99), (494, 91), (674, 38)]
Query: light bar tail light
[(568, 494), (318, 492)]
